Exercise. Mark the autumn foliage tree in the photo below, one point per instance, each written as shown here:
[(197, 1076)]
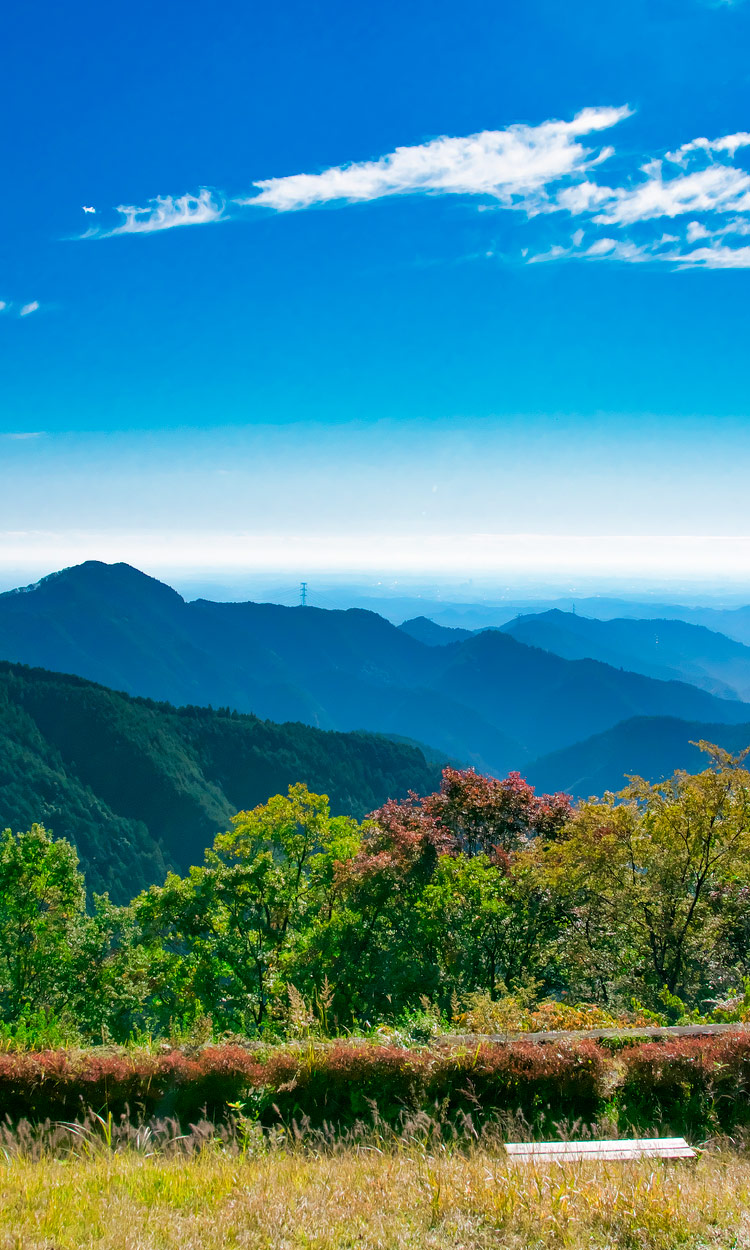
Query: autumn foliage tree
[(485, 816), (442, 899)]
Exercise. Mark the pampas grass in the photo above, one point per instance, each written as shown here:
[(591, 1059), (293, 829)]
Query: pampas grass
[(101, 1186)]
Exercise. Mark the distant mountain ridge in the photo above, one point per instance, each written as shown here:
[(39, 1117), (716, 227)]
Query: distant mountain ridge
[(425, 630), (670, 650), (140, 786), (733, 622), (488, 699), (651, 747)]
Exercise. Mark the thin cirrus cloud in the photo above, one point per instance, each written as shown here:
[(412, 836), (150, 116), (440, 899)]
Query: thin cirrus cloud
[(550, 171), (727, 143), (164, 212), (717, 189), (701, 189), (717, 256), (24, 311), (514, 166)]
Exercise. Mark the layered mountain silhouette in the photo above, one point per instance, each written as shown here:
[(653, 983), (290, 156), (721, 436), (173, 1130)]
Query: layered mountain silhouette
[(487, 699), (434, 635), (734, 622), (139, 786), (651, 747), (666, 649)]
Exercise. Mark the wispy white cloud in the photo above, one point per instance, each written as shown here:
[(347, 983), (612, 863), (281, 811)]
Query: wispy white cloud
[(20, 436), (702, 180), (715, 256), (163, 213), (709, 256), (696, 230), (600, 249), (12, 308), (615, 249), (669, 248), (514, 166), (727, 143), (550, 171), (583, 197), (717, 189)]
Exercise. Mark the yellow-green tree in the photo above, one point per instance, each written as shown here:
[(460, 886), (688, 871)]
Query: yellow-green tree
[(644, 875)]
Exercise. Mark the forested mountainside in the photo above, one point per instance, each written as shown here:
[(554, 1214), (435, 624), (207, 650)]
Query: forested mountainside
[(487, 700), (653, 747), (140, 786), (666, 649)]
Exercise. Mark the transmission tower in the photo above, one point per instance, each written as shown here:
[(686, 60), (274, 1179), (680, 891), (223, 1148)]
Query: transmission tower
[(303, 594)]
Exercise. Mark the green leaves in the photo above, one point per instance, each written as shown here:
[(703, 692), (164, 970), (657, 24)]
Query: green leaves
[(643, 894), (243, 925), (646, 875), (42, 905)]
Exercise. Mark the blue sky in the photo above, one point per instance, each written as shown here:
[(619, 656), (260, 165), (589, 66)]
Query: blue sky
[(377, 285)]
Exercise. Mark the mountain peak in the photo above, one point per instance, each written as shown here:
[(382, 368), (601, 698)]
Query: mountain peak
[(96, 577), (424, 630), (558, 615)]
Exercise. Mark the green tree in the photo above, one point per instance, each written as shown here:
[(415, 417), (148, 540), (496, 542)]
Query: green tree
[(230, 936), (42, 912), (491, 927)]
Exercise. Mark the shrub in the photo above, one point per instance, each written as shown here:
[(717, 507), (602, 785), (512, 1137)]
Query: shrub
[(693, 1083), (512, 1014), (63, 1084), (343, 1082)]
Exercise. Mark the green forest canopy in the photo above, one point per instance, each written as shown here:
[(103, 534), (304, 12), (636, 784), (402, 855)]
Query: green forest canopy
[(477, 888)]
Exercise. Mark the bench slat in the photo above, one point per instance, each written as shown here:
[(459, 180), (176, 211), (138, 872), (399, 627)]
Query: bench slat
[(654, 1147)]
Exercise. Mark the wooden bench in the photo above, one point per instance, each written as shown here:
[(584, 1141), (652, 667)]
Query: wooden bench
[(565, 1151)]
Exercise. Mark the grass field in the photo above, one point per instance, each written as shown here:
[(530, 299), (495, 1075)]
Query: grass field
[(365, 1199)]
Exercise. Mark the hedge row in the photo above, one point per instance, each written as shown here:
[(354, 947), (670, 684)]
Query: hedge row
[(694, 1083)]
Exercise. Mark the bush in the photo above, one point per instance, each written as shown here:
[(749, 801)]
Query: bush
[(511, 1013), (693, 1083), (696, 1085), (341, 1082), (64, 1084)]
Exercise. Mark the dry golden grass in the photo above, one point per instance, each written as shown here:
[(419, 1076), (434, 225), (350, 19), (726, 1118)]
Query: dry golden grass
[(366, 1199)]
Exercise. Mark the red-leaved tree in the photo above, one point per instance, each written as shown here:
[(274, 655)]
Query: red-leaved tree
[(471, 813), (485, 816)]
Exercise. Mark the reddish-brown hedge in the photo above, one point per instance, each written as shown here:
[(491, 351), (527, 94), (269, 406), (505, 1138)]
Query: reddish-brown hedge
[(61, 1084), (692, 1082), (340, 1081)]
